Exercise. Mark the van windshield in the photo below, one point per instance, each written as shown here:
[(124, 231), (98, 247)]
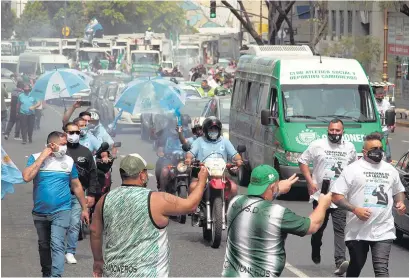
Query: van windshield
[(311, 102), (53, 66)]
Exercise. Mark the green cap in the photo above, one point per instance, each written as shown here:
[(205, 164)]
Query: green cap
[(133, 164), (261, 177)]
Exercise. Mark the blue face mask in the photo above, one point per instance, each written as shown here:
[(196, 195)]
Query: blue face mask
[(83, 131), (213, 135)]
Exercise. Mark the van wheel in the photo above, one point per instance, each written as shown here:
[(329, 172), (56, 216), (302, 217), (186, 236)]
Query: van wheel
[(244, 175), (399, 234)]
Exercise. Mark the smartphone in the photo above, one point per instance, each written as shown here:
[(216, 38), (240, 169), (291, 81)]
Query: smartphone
[(325, 186), (85, 103)]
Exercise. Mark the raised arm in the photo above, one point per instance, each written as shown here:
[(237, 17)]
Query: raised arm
[(34, 165)]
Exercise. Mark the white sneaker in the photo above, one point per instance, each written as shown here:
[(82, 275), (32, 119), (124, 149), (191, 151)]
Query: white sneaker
[(342, 268), (70, 258)]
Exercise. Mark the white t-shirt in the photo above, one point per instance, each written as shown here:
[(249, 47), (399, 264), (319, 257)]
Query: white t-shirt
[(148, 35), (382, 107), (372, 186), (328, 160)]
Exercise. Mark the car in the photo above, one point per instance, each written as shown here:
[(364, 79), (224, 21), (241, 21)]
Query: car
[(402, 221), (191, 91), (103, 99), (10, 85), (115, 74), (219, 107), (7, 73)]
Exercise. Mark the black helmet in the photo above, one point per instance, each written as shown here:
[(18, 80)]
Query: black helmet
[(210, 122), (186, 120), (95, 116)]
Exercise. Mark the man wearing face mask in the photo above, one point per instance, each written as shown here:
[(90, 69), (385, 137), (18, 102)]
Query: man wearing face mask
[(328, 157), (370, 223), (383, 105), (26, 106), (86, 138), (53, 174), (136, 237), (87, 172)]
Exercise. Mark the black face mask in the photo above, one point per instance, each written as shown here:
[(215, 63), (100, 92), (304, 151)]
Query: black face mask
[(334, 138), (375, 155), (379, 99)]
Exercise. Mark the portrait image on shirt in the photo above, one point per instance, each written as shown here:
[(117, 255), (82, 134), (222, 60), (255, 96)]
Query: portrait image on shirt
[(381, 195)]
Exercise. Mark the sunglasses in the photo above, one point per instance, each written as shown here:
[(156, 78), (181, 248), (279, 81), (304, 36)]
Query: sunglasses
[(74, 132)]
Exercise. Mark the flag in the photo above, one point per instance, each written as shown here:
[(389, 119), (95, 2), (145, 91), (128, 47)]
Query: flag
[(10, 174)]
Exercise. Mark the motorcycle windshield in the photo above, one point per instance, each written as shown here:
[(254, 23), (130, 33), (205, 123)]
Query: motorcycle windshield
[(213, 156)]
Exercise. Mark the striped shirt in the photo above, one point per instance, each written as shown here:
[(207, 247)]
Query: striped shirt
[(256, 237), (134, 245)]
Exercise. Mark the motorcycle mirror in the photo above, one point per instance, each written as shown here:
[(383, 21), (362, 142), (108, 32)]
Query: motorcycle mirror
[(186, 147), (117, 144), (241, 148)]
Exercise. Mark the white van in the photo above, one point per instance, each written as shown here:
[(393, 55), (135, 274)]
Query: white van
[(38, 63), (9, 62)]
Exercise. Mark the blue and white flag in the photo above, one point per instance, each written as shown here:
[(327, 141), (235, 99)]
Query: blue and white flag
[(92, 27), (10, 174)]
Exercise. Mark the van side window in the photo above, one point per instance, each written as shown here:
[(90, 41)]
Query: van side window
[(252, 95), (27, 67), (274, 102)]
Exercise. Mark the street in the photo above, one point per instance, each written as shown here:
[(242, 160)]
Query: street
[(189, 255)]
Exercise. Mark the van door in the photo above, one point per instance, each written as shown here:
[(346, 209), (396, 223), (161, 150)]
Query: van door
[(270, 131)]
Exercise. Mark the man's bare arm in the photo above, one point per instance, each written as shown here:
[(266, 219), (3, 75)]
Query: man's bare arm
[(400, 197), (30, 172), (76, 187), (96, 229), (342, 203)]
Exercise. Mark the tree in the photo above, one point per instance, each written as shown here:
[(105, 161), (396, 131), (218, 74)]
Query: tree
[(244, 21), (76, 19), (322, 21), (34, 22), (365, 49), (8, 20), (277, 14)]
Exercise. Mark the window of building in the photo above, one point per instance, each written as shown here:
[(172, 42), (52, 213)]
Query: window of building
[(341, 23), (350, 22)]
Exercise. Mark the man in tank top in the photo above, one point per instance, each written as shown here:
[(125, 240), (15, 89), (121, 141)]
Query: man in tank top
[(134, 220)]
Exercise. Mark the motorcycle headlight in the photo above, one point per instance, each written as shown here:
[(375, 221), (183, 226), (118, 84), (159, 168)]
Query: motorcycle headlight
[(181, 167)]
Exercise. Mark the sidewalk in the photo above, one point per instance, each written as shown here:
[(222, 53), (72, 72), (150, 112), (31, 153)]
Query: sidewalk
[(402, 117)]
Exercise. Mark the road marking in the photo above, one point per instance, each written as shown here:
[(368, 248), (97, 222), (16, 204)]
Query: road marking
[(404, 141), (150, 175), (295, 270), (55, 110)]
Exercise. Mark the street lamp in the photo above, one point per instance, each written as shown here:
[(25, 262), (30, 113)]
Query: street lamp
[(385, 48)]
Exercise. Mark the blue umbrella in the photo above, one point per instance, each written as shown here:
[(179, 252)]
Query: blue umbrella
[(154, 93), (58, 83)]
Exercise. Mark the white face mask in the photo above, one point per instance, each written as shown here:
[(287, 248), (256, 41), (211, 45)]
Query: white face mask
[(73, 138), (61, 151), (213, 135)]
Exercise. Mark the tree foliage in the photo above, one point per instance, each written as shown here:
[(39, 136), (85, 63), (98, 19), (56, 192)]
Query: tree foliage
[(8, 20), (365, 49), (115, 16)]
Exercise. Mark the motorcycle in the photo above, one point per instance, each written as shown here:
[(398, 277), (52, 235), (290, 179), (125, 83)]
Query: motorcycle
[(179, 179), (214, 199)]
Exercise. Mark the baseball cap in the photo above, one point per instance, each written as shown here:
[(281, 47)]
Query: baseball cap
[(133, 164), (261, 177)]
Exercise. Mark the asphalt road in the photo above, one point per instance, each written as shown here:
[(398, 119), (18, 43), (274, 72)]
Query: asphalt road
[(189, 255)]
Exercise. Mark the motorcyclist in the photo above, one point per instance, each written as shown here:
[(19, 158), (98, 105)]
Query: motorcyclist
[(206, 90), (168, 141), (98, 130), (197, 131), (383, 105), (213, 142)]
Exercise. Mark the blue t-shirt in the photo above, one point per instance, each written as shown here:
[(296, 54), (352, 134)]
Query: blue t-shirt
[(52, 192), (202, 148), (26, 101), (102, 135), (90, 142), (190, 140)]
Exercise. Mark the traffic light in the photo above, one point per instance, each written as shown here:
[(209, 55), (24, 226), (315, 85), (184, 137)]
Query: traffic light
[(212, 9)]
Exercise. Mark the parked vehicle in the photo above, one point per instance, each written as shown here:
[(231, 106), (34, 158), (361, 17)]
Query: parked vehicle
[(103, 99), (402, 221), (219, 107)]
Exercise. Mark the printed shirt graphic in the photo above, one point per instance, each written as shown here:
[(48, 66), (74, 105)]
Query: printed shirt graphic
[(328, 161), (128, 252), (382, 108), (26, 101), (90, 142), (256, 237), (51, 191), (202, 148), (372, 186)]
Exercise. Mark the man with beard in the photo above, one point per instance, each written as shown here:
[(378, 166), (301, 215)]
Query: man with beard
[(87, 173)]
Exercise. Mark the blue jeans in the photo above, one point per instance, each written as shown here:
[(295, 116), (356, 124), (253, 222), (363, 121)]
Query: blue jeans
[(74, 228), (51, 230), (388, 147)]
